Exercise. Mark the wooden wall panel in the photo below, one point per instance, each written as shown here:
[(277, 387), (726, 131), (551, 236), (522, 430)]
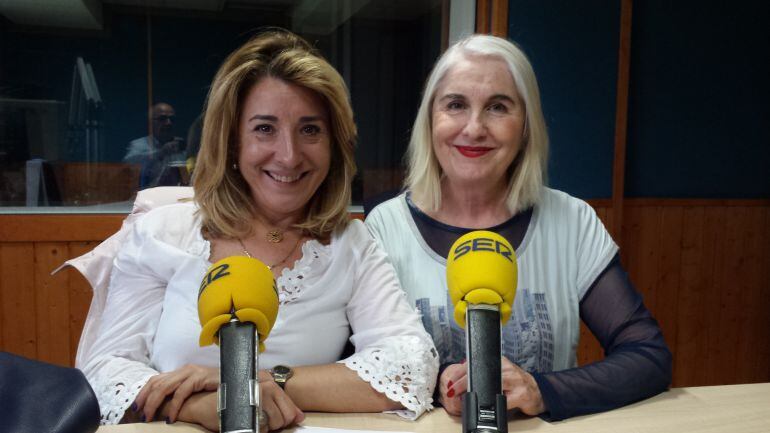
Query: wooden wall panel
[(17, 280), (641, 227), (669, 255), (762, 361), (750, 275), (704, 270), (703, 267), (499, 19), (86, 183), (621, 119), (52, 304), (483, 8), (714, 271), (692, 337), (732, 306), (55, 228)]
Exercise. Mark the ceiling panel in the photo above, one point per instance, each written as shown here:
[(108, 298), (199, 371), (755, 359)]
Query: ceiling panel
[(80, 14)]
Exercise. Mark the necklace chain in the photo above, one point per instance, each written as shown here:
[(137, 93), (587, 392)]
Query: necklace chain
[(270, 267)]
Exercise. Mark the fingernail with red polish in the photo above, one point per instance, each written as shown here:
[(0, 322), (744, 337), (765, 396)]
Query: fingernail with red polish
[(451, 393), (449, 384)]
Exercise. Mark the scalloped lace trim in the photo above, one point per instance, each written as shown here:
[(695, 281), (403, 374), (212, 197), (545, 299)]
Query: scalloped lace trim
[(115, 396), (402, 368), (291, 283)]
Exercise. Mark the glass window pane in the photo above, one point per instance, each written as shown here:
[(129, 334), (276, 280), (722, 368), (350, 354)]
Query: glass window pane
[(98, 102)]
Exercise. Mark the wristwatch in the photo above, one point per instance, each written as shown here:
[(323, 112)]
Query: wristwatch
[(281, 374)]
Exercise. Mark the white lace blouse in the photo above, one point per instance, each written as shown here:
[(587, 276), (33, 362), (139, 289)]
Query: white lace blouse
[(150, 322)]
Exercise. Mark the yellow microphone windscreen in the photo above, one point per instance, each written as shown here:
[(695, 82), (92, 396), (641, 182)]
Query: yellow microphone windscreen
[(481, 269), (237, 285)]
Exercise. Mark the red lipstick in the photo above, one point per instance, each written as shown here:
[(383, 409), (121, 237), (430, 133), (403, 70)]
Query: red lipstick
[(473, 152)]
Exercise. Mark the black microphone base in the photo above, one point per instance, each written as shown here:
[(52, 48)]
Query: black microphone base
[(484, 420)]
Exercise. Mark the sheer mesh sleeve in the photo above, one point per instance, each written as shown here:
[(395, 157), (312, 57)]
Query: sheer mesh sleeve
[(637, 361)]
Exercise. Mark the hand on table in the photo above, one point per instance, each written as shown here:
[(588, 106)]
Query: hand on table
[(276, 404), (452, 384), (179, 384), (519, 387), (201, 409)]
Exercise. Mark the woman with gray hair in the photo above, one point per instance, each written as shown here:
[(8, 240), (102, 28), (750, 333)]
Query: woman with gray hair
[(477, 160)]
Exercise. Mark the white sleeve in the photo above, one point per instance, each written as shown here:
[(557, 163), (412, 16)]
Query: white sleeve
[(118, 364), (595, 248), (384, 226), (374, 224), (393, 351)]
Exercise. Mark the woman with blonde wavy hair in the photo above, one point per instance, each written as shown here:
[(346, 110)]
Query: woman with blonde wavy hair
[(272, 182), (477, 160)]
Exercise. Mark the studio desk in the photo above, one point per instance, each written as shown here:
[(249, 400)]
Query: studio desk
[(715, 409)]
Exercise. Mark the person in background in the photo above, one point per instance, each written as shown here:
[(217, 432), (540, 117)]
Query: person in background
[(477, 160), (272, 181), (158, 153)]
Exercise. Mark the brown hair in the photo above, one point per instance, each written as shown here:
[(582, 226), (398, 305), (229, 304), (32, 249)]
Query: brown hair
[(221, 193)]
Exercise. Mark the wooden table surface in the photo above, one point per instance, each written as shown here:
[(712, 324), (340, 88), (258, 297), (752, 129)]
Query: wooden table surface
[(716, 409)]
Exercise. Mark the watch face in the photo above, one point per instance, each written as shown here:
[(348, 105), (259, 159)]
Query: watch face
[(281, 369)]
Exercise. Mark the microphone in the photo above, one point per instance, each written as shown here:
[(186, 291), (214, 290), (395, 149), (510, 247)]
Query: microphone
[(481, 276), (237, 303)]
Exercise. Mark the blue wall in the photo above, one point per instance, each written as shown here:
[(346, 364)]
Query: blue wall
[(698, 118), (573, 47), (699, 123)]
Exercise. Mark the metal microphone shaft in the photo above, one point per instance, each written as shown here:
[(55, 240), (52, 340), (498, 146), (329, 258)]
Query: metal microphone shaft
[(238, 388), (484, 405)]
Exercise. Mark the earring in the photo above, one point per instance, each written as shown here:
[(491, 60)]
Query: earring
[(235, 166)]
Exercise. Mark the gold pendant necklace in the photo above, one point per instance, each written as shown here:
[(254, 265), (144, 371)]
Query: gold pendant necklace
[(274, 236), (270, 267)]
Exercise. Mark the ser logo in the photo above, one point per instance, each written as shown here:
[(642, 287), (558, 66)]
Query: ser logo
[(483, 244), (213, 275)]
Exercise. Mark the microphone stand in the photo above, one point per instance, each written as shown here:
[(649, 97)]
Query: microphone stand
[(238, 396), (484, 405)]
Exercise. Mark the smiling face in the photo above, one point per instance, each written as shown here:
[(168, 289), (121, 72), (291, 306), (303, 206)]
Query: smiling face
[(284, 147), (477, 122)]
